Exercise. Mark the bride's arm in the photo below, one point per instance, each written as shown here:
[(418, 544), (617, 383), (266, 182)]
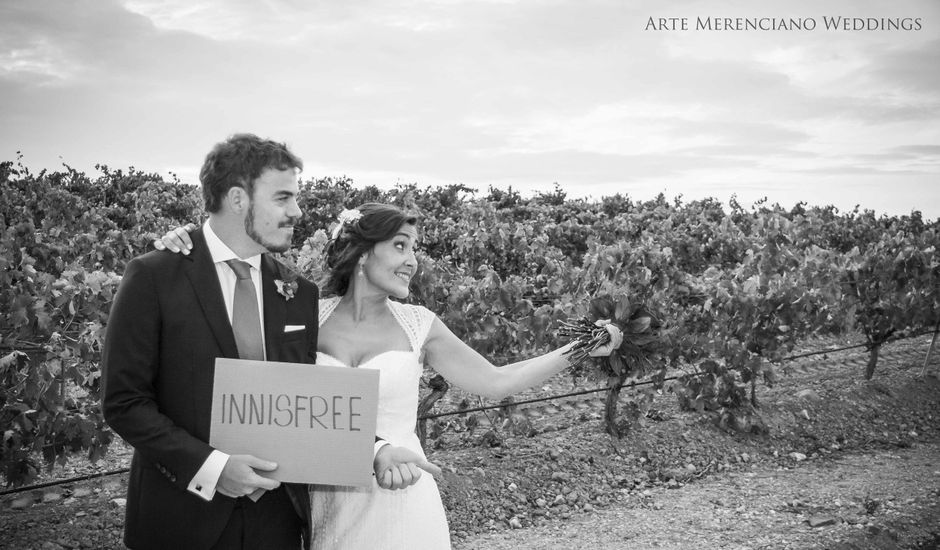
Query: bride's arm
[(462, 365)]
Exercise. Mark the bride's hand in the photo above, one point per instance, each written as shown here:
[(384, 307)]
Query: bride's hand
[(400, 467), (176, 240), (616, 338)]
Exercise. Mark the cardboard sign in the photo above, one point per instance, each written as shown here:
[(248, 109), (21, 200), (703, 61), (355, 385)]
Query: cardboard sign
[(316, 422)]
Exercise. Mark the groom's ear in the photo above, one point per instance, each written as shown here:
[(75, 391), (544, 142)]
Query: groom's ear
[(237, 199)]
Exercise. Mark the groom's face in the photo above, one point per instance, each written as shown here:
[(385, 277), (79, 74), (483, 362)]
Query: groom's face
[(273, 210)]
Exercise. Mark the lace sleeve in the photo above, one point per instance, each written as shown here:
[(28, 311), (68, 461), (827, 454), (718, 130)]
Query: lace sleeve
[(415, 320), (326, 307), (425, 320)]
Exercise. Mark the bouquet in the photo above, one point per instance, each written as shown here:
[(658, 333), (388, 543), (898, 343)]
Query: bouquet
[(640, 330), (642, 341)]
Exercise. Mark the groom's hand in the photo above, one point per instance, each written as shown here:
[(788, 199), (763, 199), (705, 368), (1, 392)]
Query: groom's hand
[(400, 467), (239, 479)]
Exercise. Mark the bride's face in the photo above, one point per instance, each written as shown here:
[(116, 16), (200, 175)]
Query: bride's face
[(391, 264)]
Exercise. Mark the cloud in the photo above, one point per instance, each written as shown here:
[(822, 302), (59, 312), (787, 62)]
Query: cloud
[(446, 91), (917, 151), (904, 68), (71, 41)]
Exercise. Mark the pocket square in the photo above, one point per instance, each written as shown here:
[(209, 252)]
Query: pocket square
[(294, 328)]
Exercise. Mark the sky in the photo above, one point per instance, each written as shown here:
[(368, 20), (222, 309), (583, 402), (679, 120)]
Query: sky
[(691, 98)]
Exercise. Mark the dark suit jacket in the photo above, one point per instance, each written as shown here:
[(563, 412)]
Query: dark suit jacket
[(167, 326)]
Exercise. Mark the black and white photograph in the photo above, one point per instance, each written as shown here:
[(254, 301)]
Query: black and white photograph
[(469, 274)]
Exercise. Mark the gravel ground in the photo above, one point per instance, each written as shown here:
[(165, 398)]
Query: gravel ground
[(881, 499)]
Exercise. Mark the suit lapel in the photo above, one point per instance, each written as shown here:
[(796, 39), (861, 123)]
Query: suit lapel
[(202, 275), (275, 307)]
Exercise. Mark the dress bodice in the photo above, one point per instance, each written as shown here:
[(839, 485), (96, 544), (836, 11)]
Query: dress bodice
[(399, 371)]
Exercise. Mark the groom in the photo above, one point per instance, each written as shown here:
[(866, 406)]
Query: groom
[(173, 315)]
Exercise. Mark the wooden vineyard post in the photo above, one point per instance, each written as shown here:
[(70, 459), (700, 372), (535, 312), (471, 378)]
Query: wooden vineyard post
[(933, 342)]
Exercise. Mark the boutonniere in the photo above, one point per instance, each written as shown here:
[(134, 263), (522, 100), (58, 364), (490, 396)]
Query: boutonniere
[(286, 288), (287, 283)]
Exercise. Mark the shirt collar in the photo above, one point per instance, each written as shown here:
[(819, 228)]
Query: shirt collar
[(220, 251)]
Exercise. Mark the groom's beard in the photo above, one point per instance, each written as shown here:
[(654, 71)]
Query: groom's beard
[(258, 238)]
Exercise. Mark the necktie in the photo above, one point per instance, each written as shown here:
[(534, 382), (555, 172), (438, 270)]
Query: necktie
[(246, 321)]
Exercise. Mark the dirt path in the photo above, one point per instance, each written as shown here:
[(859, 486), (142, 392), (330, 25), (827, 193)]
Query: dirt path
[(765, 509)]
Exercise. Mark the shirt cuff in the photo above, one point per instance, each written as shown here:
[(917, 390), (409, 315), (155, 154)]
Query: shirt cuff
[(204, 482), (378, 445)]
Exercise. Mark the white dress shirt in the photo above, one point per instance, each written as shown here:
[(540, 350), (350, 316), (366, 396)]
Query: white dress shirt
[(204, 482)]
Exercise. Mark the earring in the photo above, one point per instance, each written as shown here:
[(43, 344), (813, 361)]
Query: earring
[(362, 273)]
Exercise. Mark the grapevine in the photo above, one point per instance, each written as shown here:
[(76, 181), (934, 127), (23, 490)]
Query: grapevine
[(721, 294)]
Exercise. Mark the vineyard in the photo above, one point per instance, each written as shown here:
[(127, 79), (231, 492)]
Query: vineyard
[(710, 299)]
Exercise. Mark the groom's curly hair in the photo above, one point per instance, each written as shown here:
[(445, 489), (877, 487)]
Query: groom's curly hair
[(238, 162), (379, 222)]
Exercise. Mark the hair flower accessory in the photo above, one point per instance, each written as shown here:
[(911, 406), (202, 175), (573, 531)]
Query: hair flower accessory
[(346, 217)]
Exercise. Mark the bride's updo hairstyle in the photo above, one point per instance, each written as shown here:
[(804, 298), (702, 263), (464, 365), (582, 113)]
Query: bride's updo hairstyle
[(358, 231)]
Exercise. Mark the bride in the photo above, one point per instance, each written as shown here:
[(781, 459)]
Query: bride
[(371, 259)]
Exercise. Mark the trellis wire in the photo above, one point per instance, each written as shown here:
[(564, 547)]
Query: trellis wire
[(471, 410), (644, 383)]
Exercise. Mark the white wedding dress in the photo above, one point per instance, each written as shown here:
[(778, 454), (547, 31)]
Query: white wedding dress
[(358, 518)]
